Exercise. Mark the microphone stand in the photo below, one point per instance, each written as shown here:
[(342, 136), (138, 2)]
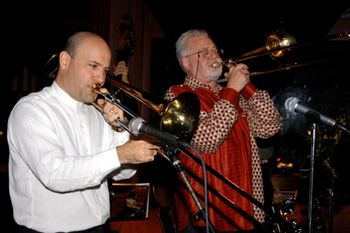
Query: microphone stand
[(171, 153), (233, 186), (279, 222), (311, 178), (311, 185)]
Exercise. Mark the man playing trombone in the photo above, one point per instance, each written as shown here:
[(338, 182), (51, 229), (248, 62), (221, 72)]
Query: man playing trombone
[(63, 148), (230, 119)]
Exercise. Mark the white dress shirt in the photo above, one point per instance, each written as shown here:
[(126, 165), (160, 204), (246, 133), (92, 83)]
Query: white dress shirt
[(61, 151)]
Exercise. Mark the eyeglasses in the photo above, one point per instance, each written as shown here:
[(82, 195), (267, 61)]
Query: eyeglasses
[(206, 52)]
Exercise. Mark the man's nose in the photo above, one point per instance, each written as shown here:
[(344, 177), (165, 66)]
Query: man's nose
[(100, 77)]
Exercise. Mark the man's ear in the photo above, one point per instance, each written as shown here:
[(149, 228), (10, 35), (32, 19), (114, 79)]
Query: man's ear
[(185, 63), (65, 58)]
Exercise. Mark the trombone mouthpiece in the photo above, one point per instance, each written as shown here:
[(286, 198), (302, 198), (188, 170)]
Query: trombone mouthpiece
[(96, 88), (216, 64), (229, 62)]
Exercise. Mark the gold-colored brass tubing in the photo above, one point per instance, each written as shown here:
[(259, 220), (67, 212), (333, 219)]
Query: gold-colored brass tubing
[(277, 46)]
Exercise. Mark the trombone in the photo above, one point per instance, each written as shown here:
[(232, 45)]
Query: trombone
[(180, 117), (278, 45)]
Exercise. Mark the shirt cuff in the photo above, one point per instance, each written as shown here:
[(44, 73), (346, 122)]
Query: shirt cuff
[(230, 95), (109, 160), (248, 91)]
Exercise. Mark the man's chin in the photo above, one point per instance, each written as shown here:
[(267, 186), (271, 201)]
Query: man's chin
[(214, 76), (91, 99)]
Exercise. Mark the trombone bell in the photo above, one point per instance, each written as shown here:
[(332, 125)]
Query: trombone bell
[(181, 116), (279, 41)]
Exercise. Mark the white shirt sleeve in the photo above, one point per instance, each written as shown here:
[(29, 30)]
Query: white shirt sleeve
[(52, 144)]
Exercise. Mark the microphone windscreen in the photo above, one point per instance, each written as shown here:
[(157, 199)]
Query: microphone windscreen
[(135, 125), (291, 103)]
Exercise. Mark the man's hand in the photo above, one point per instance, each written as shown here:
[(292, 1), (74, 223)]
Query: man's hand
[(237, 77), (121, 69), (110, 111), (137, 151)]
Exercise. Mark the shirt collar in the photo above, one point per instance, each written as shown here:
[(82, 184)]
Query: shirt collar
[(195, 83), (65, 97)]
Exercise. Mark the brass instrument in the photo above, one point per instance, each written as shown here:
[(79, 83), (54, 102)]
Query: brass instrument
[(278, 44), (180, 117)]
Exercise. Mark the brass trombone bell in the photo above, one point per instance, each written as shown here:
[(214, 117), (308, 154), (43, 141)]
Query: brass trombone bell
[(181, 116), (276, 42)]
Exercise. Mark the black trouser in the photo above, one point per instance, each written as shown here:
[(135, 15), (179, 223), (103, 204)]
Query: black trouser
[(97, 229)]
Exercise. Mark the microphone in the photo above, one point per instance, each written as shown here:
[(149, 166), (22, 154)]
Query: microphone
[(139, 127), (293, 104)]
